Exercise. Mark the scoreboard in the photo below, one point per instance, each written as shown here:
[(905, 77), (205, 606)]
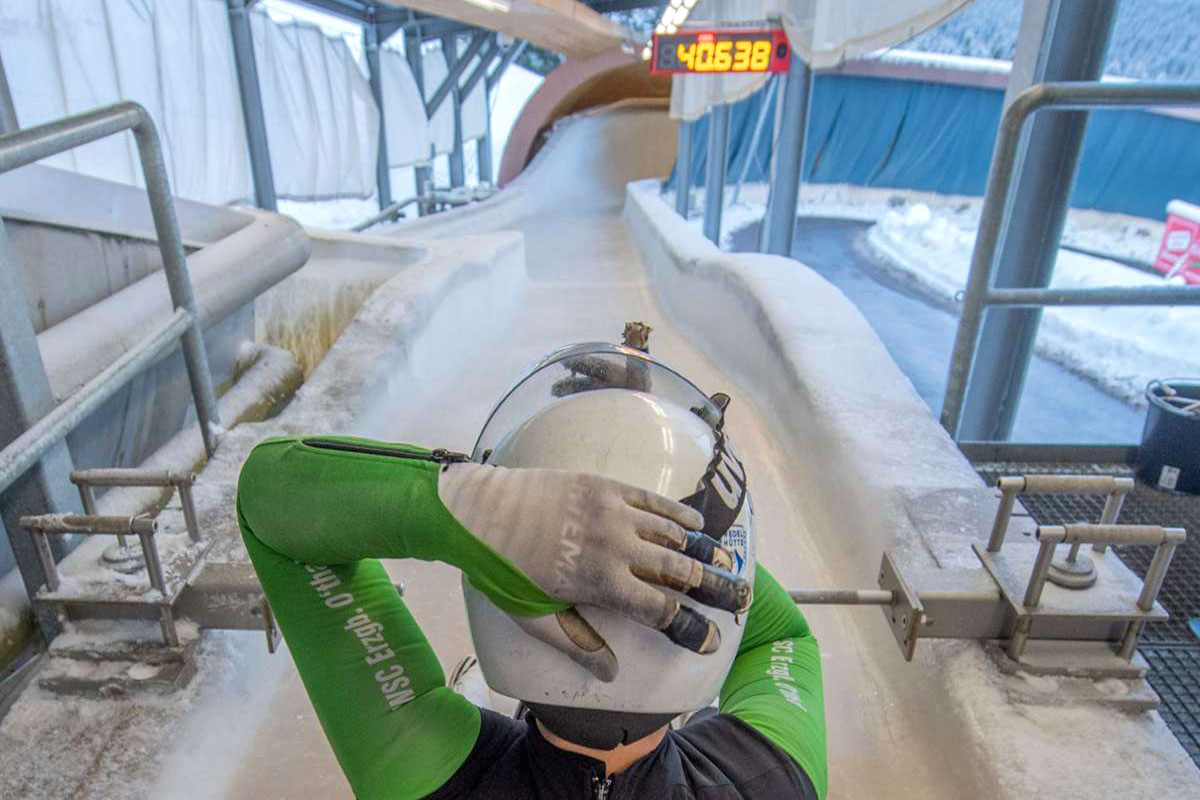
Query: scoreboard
[(729, 50)]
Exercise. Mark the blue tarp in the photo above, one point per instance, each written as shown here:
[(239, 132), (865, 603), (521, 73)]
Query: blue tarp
[(939, 137)]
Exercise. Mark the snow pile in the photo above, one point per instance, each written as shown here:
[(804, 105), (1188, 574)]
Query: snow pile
[(1119, 348)]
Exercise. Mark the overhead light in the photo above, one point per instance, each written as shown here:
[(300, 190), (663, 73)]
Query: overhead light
[(680, 15), (676, 3), (503, 6), (660, 28), (690, 4), (671, 29), (646, 53)]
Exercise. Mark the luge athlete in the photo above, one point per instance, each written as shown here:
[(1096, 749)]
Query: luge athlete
[(604, 606)]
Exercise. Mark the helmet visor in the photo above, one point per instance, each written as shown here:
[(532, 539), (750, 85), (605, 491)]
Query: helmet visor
[(588, 367)]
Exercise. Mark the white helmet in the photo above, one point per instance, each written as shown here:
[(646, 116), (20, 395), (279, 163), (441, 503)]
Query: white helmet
[(615, 411)]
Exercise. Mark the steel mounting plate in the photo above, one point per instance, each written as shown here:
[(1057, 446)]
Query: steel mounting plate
[(905, 615)]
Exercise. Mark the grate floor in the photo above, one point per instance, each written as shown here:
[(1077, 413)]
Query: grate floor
[(1170, 647)]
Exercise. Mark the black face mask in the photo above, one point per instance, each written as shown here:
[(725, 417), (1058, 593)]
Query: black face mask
[(722, 489)]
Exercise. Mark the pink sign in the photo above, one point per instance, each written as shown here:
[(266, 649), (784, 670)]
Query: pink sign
[(1179, 252)]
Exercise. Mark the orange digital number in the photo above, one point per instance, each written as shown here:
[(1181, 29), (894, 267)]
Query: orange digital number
[(741, 59), (760, 58), (704, 57), (685, 53), (722, 60)]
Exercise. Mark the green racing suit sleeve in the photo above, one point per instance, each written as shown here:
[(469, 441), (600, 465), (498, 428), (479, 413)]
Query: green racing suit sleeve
[(774, 685), (317, 512)]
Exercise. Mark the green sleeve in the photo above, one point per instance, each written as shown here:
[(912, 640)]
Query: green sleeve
[(775, 685), (314, 521), (327, 506)]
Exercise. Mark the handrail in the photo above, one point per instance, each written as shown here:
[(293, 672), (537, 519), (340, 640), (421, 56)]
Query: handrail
[(28, 448), (32, 144), (979, 292)]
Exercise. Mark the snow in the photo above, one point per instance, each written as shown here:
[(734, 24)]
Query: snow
[(928, 240), (1120, 349)]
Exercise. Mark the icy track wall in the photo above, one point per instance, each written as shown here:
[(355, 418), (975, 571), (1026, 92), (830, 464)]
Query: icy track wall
[(868, 453)]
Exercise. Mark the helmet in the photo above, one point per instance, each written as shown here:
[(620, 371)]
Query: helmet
[(615, 411)]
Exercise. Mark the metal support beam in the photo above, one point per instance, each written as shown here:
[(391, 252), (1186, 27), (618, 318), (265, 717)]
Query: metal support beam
[(683, 168), (483, 148), (456, 65), (8, 111), (252, 110), (25, 398), (792, 113), (510, 54), (714, 177), (1059, 40), (422, 173), (372, 40), (485, 61)]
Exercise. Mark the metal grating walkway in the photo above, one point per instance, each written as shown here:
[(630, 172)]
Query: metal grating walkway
[(1170, 647)]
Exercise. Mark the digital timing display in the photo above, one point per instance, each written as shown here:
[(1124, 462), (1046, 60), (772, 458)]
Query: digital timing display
[(730, 50)]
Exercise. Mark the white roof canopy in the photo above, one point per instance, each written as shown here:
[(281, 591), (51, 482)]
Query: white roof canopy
[(824, 33), (563, 26)]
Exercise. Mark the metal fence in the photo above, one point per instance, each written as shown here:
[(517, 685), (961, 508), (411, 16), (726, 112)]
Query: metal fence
[(32, 144), (980, 293)]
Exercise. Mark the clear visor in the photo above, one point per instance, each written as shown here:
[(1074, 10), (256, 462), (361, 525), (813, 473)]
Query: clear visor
[(583, 368)]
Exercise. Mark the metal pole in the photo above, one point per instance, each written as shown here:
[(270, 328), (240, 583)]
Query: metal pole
[(8, 111), (1100, 296), (683, 168), (789, 159), (1058, 41), (1044, 96), (511, 54), (1008, 493), (412, 51), (252, 110), (714, 171), (383, 174), (758, 128), (456, 66), (166, 227), (25, 398)]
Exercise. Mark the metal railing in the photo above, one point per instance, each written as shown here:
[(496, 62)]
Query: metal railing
[(980, 294), (32, 144)]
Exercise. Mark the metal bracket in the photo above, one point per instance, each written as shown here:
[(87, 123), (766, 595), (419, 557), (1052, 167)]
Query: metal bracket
[(905, 615)]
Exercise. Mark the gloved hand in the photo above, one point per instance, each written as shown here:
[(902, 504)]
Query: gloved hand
[(586, 539)]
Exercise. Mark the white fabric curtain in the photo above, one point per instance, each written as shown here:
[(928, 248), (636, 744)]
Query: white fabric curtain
[(408, 139), (474, 106), (823, 33), (175, 57), (441, 126), (322, 122)]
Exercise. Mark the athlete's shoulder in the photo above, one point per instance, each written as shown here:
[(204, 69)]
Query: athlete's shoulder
[(748, 760), (498, 736)]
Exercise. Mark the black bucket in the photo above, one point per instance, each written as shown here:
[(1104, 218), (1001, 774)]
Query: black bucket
[(1169, 457)]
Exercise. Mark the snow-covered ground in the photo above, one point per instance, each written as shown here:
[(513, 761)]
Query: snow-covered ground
[(928, 239)]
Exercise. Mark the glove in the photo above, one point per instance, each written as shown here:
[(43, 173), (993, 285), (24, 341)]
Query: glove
[(587, 539)]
